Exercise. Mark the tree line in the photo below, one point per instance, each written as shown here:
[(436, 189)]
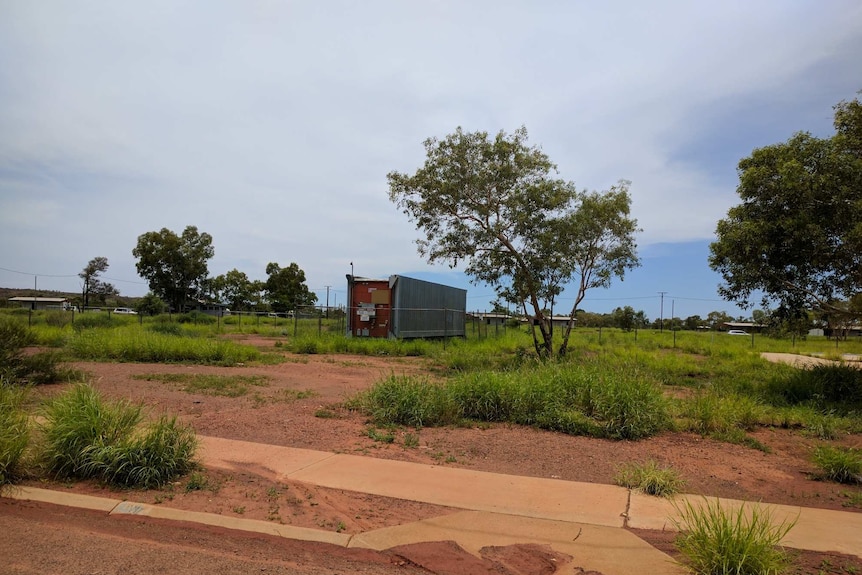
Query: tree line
[(176, 269)]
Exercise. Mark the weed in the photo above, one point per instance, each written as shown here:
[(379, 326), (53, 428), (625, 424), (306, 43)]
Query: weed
[(239, 510), (197, 482), (411, 440), (720, 541), (340, 527), (324, 413), (650, 478), (853, 499), (380, 437), (210, 384), (842, 465)]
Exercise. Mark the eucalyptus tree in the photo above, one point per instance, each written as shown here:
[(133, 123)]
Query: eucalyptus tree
[(175, 266), (235, 289), (795, 240), (492, 204), (286, 289), (92, 283)]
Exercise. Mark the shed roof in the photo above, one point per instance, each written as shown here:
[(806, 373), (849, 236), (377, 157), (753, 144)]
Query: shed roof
[(31, 299)]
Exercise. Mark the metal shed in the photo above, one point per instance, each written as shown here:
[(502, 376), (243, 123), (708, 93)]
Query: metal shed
[(403, 307)]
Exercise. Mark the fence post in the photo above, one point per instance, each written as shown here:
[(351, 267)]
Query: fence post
[(320, 322)]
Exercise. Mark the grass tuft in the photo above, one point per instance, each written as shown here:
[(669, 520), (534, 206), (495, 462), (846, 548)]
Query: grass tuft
[(650, 478), (719, 541), (842, 465), (86, 437)]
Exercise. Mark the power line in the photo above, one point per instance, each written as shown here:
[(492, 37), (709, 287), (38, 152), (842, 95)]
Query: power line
[(40, 275)]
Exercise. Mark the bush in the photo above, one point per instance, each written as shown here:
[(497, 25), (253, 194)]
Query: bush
[(14, 431), (843, 465), (86, 437), (718, 541)]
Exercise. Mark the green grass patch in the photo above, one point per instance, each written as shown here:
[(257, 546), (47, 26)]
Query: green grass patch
[(209, 384), (134, 344), (719, 541), (87, 437), (650, 478), (619, 403), (839, 464)]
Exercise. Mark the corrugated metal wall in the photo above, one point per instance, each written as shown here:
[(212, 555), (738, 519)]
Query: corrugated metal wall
[(426, 309)]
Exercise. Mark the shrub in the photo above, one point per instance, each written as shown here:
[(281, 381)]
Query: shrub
[(650, 478), (843, 465), (86, 437), (718, 541), (14, 431)]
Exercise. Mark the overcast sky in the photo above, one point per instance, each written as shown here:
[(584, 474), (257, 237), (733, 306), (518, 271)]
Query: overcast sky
[(271, 125)]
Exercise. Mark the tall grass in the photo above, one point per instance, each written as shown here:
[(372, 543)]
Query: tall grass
[(719, 541), (87, 437), (14, 431), (135, 344), (619, 403), (826, 387)]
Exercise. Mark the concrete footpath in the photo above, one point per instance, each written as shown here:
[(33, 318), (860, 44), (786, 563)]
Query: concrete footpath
[(583, 520)]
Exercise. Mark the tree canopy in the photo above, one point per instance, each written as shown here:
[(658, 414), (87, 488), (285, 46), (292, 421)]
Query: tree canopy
[(494, 205), (235, 289), (286, 289), (796, 238), (174, 266), (93, 284)]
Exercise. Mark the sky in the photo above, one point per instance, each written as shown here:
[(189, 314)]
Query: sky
[(271, 125)]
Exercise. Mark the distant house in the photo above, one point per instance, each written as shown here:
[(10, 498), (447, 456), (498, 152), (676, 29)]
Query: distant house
[(489, 319), (557, 321), (40, 303), (208, 307)]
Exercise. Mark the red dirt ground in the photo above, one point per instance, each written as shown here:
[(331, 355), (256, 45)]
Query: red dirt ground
[(298, 405)]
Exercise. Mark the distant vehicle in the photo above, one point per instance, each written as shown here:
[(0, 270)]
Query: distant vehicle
[(737, 332), (272, 315), (124, 311)]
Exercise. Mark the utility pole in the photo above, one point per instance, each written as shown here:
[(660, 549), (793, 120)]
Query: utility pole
[(327, 301), (661, 312)]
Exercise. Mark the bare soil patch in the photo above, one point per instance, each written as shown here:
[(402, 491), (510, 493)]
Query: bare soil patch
[(299, 405)]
